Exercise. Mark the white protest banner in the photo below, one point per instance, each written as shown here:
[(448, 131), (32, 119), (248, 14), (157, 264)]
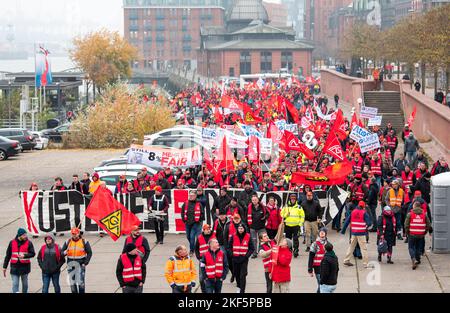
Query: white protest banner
[(368, 112), (358, 133), (250, 131), (375, 121), (156, 157), (265, 145), (293, 128), (234, 141), (209, 136), (281, 124), (369, 143)]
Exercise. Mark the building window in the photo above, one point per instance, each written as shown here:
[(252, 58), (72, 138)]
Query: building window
[(266, 62), (134, 34), (245, 63), (286, 60), (231, 72)]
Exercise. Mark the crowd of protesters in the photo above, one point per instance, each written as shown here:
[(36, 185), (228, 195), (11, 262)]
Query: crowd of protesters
[(244, 227)]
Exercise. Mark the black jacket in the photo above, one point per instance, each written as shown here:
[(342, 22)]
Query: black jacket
[(19, 268), (389, 233), (221, 204), (50, 264), (329, 269), (190, 213), (226, 233), (78, 187), (135, 282), (312, 209), (85, 186), (259, 217), (144, 244), (240, 259), (424, 186), (373, 194), (165, 185), (220, 232), (245, 198)]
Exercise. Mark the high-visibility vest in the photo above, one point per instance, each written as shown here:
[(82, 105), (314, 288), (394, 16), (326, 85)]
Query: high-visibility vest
[(357, 165), (158, 204), (417, 225), (294, 218), (202, 244), (231, 230), (197, 211), (267, 262), (231, 213), (318, 257), (391, 141), (375, 167), (240, 248), (15, 250), (75, 249), (122, 187), (407, 178), (395, 200), (358, 224), (57, 252), (139, 241), (214, 268), (357, 192), (131, 271)]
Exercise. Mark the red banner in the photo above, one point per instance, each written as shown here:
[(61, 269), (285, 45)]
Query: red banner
[(333, 175)]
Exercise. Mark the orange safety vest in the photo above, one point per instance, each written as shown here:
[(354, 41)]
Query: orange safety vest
[(318, 257), (75, 249), (395, 201), (240, 248), (15, 250), (417, 225), (131, 271), (214, 268)]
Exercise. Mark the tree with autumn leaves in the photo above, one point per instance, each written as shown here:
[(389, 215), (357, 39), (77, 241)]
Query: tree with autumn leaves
[(418, 38), (104, 56)]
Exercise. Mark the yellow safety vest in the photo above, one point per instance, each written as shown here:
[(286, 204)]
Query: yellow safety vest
[(293, 215)]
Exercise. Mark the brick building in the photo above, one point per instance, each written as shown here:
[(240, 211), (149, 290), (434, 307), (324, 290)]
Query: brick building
[(278, 14), (167, 33), (247, 44)]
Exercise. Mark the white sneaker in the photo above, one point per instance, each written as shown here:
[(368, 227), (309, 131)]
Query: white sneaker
[(238, 290)]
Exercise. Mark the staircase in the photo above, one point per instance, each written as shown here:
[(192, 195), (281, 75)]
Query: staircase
[(389, 106)]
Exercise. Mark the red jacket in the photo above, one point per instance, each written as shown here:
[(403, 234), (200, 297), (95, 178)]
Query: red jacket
[(281, 271), (274, 220)]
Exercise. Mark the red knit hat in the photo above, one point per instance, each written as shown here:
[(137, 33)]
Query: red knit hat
[(362, 204)]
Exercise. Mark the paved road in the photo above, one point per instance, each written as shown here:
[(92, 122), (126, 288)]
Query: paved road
[(432, 276)]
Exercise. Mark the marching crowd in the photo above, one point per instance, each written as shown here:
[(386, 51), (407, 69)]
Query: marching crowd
[(244, 227)]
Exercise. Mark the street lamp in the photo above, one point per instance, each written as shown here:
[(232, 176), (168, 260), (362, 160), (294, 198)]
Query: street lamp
[(9, 104)]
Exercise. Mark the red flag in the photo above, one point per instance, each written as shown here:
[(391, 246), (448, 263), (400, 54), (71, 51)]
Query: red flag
[(332, 175), (217, 115), (110, 214), (185, 119), (276, 135), (224, 156), (412, 117), (230, 105), (305, 123), (253, 149), (293, 143), (339, 126), (291, 109), (354, 120), (333, 147), (250, 117)]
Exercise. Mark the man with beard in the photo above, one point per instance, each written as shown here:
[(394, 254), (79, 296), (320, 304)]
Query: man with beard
[(220, 203)]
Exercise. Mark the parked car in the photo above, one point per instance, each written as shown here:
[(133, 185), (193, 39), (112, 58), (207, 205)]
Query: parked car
[(8, 148), (26, 139), (135, 168), (177, 131), (55, 134), (41, 140), (111, 178)]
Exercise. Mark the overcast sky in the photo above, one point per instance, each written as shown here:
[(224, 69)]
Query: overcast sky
[(58, 20)]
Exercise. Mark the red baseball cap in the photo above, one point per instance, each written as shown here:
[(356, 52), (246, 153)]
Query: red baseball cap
[(362, 204)]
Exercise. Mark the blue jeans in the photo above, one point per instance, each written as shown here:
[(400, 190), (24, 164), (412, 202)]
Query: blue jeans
[(15, 281), (415, 245), (411, 156), (398, 219), (318, 282), (213, 286), (46, 278), (77, 275), (192, 232), (373, 215), (327, 288)]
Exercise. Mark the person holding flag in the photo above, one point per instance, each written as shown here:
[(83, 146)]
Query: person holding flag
[(281, 267), (265, 253), (316, 255)]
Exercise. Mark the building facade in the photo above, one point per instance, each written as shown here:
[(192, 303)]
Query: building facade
[(167, 33), (248, 44), (278, 14)]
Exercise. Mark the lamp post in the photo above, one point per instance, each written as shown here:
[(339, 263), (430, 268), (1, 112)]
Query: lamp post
[(9, 104)]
